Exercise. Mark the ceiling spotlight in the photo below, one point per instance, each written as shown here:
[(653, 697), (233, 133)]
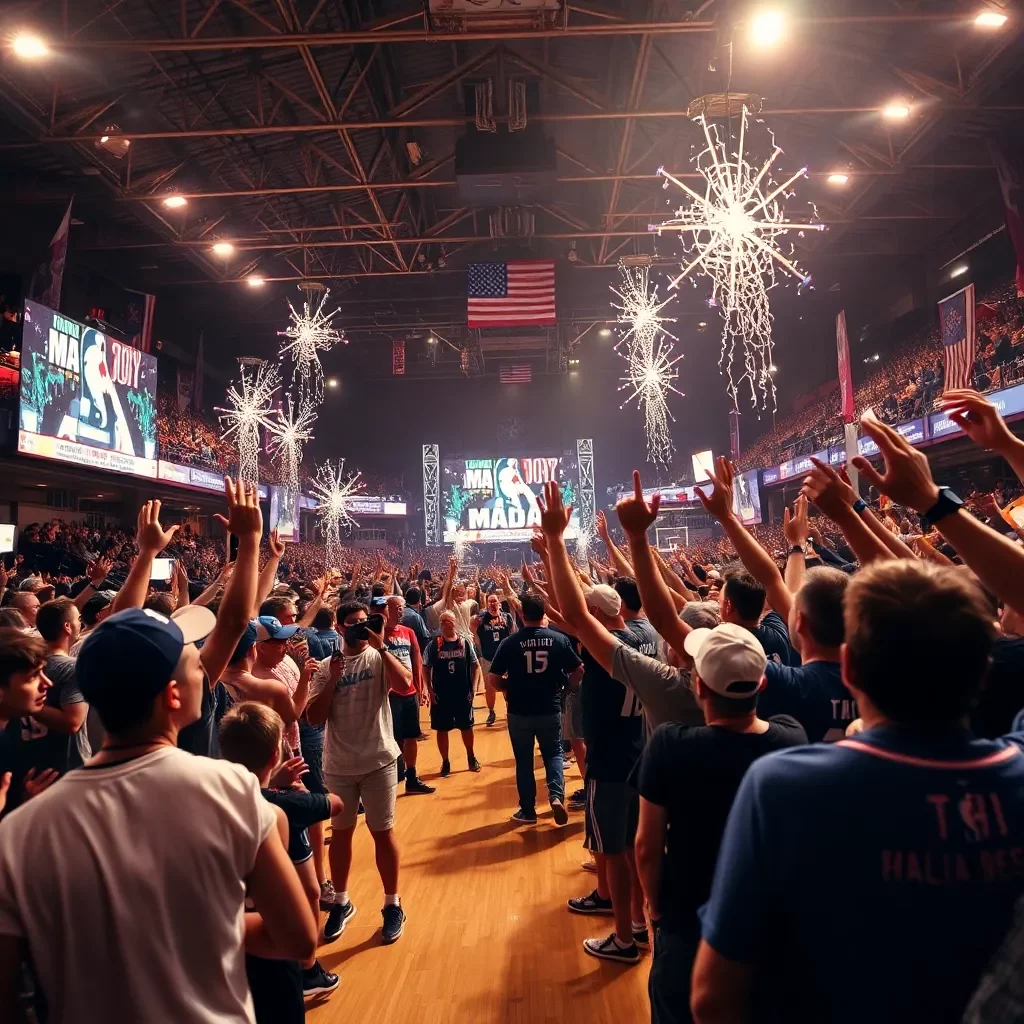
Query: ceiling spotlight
[(990, 19), (431, 340), (223, 249), (104, 138), (605, 332), (767, 27), (332, 382), (175, 202), (773, 368), (254, 281), (838, 178), (898, 110), (702, 325), (29, 46), (959, 270)]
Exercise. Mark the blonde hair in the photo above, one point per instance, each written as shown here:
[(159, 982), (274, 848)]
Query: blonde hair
[(250, 735)]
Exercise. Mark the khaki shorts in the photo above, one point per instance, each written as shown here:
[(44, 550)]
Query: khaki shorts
[(376, 790)]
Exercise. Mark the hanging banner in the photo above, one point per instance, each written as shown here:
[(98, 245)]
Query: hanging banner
[(398, 357), (845, 371), (734, 435)]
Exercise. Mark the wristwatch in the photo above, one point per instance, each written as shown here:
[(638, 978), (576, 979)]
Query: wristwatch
[(797, 549), (859, 505), (946, 505)]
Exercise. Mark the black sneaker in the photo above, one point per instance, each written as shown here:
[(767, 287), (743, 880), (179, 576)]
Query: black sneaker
[(474, 765), (525, 817), (446, 769), (578, 800), (560, 813), (415, 785), (338, 916), (316, 981), (592, 904), (491, 717), (609, 949), (642, 938), (394, 923)]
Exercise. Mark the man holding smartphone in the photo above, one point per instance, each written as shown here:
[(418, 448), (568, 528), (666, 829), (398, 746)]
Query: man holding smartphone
[(349, 692)]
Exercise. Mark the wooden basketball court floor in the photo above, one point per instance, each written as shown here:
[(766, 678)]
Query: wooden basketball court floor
[(488, 936)]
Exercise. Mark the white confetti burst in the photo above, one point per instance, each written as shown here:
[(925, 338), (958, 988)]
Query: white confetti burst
[(333, 491), (733, 233), (310, 334), (289, 431), (584, 539), (461, 546), (640, 312), (249, 409), (650, 376)]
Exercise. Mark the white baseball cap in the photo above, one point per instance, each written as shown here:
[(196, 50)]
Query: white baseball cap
[(604, 597), (729, 659)]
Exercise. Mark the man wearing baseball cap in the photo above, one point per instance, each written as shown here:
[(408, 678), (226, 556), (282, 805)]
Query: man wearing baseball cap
[(282, 656), (687, 779)]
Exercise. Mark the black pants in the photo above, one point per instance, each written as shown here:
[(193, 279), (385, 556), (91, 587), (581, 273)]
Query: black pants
[(669, 983), (276, 987)]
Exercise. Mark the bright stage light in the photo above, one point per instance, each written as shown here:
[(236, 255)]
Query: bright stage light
[(255, 282), (605, 332), (29, 46), (223, 249), (175, 202), (734, 232), (332, 382), (990, 19), (958, 271), (896, 111), (767, 28), (838, 178)]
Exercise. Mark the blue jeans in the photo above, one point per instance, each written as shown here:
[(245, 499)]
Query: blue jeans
[(547, 731)]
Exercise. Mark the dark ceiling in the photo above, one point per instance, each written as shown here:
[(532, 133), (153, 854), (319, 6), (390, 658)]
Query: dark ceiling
[(319, 136)]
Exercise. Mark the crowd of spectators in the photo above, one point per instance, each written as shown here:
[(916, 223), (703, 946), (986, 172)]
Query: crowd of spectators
[(905, 385)]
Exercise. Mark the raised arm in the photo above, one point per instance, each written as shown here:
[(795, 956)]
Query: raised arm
[(215, 587), (997, 561), (97, 571), (151, 538), (982, 423), (673, 580), (396, 675), (618, 559), (637, 517), (554, 518), (449, 581), (245, 521), (268, 577), (755, 559), (180, 585)]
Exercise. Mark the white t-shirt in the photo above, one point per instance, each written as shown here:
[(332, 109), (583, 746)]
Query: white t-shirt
[(128, 884), (360, 738), (464, 613)]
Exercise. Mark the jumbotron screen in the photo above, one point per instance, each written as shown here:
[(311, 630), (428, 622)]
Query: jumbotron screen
[(85, 397), (495, 500)]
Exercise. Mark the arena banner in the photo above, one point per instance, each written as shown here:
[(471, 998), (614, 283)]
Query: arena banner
[(495, 500), (199, 478), (746, 498), (82, 388), (284, 513)]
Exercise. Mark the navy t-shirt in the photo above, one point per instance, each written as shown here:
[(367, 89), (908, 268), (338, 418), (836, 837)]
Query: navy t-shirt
[(774, 637), (536, 662), (451, 664), (648, 641), (871, 879), (492, 630), (612, 718), (301, 810), (813, 694)]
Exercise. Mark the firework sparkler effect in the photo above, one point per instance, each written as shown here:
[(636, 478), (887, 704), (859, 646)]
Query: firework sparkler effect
[(649, 378), (250, 408), (640, 312), (310, 334), (333, 491), (289, 431), (733, 233)]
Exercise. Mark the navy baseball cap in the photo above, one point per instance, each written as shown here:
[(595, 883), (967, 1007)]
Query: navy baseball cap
[(380, 603), (138, 648), (246, 643), (268, 627)]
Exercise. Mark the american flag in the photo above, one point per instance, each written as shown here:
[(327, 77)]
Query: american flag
[(142, 322), (515, 373), (518, 294), (956, 315)]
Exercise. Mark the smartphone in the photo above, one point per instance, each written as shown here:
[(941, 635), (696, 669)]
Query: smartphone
[(375, 622), (232, 547), (163, 570)]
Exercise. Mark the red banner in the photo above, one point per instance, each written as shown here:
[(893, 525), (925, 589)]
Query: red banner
[(845, 371), (398, 357)]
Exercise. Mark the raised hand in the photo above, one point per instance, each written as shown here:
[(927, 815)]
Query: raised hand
[(244, 517), (99, 570), (554, 516), (289, 773), (908, 477), (601, 523), (794, 526), (719, 502), (828, 490), (151, 536), (635, 515), (276, 545), (978, 418), (538, 544)]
